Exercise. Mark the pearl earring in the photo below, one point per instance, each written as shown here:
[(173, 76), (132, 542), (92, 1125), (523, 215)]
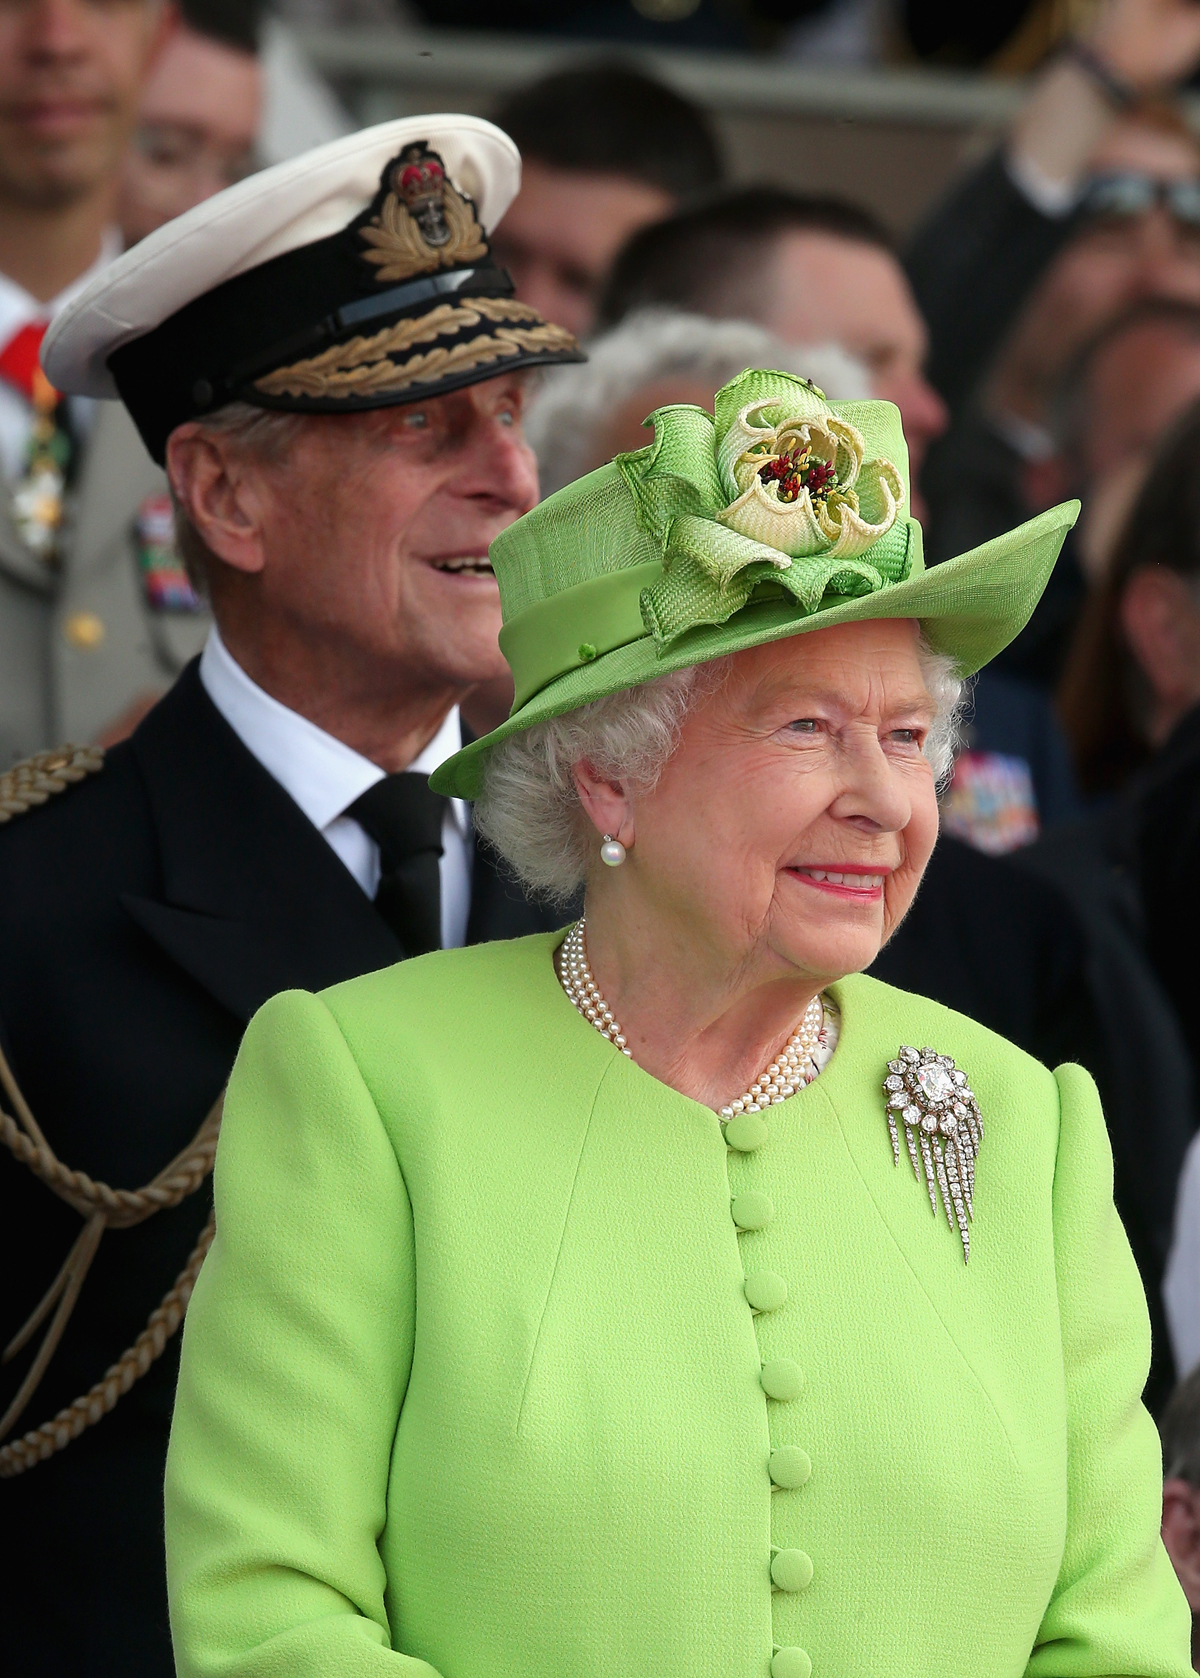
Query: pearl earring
[(612, 851)]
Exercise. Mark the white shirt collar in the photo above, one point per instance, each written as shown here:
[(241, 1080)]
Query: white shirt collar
[(323, 775), (18, 307)]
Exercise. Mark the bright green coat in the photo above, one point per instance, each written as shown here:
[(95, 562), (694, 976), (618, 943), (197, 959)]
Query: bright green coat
[(470, 1378)]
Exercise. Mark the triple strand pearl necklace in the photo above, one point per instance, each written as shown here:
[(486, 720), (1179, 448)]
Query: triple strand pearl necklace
[(791, 1070)]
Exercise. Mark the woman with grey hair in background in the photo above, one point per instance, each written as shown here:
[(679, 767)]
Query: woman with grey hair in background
[(582, 416), (596, 1305)]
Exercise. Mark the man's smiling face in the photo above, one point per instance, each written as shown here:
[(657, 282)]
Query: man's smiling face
[(376, 526)]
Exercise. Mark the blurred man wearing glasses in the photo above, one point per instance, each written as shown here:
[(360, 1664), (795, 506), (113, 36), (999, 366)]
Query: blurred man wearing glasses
[(199, 117), (1092, 206)]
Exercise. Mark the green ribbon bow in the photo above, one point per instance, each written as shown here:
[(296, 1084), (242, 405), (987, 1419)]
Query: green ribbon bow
[(699, 472)]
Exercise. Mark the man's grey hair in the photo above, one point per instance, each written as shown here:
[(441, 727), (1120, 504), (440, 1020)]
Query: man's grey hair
[(529, 808), (258, 431), (575, 404)]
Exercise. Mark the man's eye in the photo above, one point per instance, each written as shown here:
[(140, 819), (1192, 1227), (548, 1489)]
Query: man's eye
[(804, 725), (507, 417), (906, 736), (416, 421)]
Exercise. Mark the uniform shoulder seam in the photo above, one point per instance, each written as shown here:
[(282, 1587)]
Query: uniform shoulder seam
[(37, 779)]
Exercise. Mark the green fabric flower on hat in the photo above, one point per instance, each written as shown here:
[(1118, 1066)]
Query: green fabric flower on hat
[(771, 493)]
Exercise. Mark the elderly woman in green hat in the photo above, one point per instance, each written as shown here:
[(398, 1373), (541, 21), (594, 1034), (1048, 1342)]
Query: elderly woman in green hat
[(599, 1307)]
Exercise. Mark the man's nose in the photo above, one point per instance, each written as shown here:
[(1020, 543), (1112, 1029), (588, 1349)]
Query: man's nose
[(53, 28), (500, 466)]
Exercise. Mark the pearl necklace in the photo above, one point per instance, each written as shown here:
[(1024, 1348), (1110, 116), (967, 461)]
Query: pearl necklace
[(791, 1070)]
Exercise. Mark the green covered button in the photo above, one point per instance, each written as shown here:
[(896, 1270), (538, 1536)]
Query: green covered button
[(789, 1467), (746, 1132), (765, 1290), (791, 1663), (752, 1210), (782, 1378), (791, 1570)]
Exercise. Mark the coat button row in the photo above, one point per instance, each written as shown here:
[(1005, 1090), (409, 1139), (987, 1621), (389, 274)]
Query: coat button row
[(782, 1379)]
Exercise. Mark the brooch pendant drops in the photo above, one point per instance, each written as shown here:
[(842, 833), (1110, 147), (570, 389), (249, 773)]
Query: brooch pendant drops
[(927, 1095)]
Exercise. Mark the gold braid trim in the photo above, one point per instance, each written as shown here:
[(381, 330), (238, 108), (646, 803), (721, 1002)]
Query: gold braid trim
[(42, 1442), (37, 779), (392, 340), (102, 1208), (364, 377)]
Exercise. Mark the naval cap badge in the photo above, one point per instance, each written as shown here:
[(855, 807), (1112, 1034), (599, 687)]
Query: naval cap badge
[(424, 221), (943, 1127)]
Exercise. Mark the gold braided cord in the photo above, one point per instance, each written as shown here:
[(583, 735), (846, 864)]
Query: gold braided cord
[(38, 778), (312, 376), (102, 1207), (42, 1442), (119, 1208), (387, 377)]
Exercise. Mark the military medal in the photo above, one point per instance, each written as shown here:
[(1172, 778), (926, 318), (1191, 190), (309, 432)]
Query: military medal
[(943, 1128), (165, 582), (39, 494)]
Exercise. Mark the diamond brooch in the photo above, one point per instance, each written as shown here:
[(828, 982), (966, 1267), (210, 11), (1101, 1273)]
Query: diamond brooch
[(927, 1094)]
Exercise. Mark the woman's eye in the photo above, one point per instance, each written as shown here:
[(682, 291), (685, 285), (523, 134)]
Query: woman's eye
[(906, 736), (804, 725)]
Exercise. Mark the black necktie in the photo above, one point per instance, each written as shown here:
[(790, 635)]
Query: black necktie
[(404, 818)]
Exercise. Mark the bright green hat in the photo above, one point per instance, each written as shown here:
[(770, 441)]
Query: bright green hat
[(778, 513)]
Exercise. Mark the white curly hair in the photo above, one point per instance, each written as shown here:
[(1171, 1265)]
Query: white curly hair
[(529, 810), (573, 405)]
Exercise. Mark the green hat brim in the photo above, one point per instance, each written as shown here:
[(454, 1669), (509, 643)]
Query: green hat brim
[(970, 607)]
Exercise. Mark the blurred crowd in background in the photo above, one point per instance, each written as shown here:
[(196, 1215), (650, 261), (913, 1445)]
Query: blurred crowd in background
[(1039, 330)]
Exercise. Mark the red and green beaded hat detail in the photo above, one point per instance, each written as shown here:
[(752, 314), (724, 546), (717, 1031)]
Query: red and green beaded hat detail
[(778, 513)]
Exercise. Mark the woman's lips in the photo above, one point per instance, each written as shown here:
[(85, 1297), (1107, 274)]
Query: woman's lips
[(858, 884)]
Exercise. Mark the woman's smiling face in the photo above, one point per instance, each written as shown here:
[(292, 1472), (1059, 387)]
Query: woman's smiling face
[(792, 825)]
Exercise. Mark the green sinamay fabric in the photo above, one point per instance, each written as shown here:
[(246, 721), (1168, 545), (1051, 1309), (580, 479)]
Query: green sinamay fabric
[(470, 1385)]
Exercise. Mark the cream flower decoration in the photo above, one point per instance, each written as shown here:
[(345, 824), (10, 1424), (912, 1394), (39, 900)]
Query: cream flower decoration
[(802, 486)]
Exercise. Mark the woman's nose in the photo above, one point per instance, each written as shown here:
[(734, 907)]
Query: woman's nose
[(873, 791)]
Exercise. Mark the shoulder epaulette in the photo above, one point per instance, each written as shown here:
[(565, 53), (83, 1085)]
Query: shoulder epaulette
[(38, 778)]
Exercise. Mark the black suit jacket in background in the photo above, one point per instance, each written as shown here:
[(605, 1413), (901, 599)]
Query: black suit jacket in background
[(145, 914)]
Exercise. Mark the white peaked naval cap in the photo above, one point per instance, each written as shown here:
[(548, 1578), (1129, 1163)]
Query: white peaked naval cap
[(381, 231)]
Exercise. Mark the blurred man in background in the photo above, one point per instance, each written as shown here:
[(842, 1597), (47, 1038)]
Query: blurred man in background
[(1145, 366), (92, 615), (199, 117), (1092, 205), (811, 270), (605, 150)]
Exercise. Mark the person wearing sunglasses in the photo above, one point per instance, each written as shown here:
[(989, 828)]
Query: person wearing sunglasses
[(1092, 206)]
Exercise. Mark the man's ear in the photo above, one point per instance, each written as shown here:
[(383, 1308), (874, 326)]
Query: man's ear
[(1181, 1536), (221, 492)]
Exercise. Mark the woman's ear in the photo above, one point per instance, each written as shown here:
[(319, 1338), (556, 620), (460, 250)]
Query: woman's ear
[(220, 491), (606, 802)]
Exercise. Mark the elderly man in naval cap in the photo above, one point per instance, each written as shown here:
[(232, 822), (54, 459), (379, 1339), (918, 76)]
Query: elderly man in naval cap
[(332, 369)]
